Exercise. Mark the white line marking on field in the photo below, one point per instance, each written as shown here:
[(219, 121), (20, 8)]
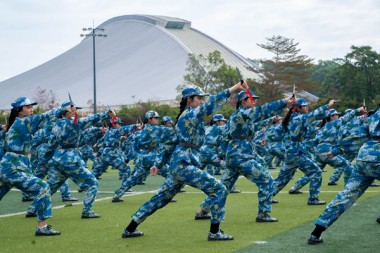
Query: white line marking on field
[(130, 194), (261, 242), (79, 203)]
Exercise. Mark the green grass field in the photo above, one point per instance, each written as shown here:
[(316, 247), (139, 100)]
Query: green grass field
[(173, 228)]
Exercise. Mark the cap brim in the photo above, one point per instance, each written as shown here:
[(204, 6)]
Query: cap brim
[(247, 96), (34, 103), (203, 94), (78, 107)]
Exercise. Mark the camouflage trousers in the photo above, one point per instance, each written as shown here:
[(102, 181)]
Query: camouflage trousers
[(15, 171), (116, 159), (363, 175), (255, 172), (340, 165), (182, 171), (60, 171), (307, 166)]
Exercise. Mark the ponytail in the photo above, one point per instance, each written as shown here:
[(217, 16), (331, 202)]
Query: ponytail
[(285, 122), (238, 103), (13, 116), (323, 122), (182, 107)]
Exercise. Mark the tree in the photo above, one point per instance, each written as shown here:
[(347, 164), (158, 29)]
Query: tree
[(327, 73), (360, 74), (210, 72), (46, 99), (285, 69)]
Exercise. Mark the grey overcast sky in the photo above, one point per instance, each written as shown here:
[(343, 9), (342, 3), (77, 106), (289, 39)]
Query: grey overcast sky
[(35, 31)]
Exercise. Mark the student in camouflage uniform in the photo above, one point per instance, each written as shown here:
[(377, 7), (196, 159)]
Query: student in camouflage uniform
[(296, 155), (3, 129), (15, 169), (241, 158), (213, 149), (147, 144), (39, 147), (111, 154), (213, 152), (88, 139), (274, 135), (259, 140), (351, 135), (327, 137), (367, 169), (184, 163), (310, 145), (167, 146), (66, 161)]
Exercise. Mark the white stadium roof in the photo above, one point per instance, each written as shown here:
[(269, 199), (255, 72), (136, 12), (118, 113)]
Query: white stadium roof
[(143, 58)]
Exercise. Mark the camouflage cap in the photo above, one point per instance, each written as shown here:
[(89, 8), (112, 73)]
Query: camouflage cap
[(244, 94), (218, 117), (167, 119), (302, 102), (193, 91), (22, 101), (332, 112), (67, 103), (151, 114)]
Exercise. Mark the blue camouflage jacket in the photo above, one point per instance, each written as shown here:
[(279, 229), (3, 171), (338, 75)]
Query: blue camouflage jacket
[(147, 143), (328, 135), (190, 127), (370, 151), (19, 136), (241, 125), (297, 129), (65, 135)]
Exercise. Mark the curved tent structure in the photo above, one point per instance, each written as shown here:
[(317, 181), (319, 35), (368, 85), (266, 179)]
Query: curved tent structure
[(143, 58)]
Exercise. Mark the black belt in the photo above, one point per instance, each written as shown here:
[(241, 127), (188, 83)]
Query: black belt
[(377, 138), (150, 148), (243, 137), (19, 152), (189, 145), (69, 146)]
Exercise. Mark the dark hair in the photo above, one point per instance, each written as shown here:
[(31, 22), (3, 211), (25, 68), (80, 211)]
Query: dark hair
[(13, 116), (285, 121), (369, 113), (323, 122), (182, 107), (238, 103)]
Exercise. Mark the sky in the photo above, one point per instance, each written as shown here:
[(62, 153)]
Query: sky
[(35, 31)]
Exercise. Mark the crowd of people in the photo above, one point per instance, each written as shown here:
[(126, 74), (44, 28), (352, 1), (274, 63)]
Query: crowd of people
[(39, 153)]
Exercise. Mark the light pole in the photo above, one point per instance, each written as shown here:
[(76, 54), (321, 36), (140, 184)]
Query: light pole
[(92, 32)]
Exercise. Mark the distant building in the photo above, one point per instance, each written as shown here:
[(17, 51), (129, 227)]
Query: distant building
[(143, 58)]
